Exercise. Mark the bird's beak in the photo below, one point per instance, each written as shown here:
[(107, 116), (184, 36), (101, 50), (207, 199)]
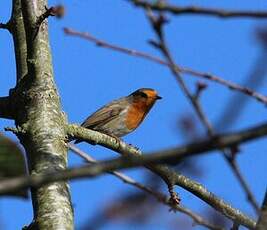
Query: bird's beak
[(158, 97)]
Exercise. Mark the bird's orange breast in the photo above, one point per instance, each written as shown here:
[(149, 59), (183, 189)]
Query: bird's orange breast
[(135, 115)]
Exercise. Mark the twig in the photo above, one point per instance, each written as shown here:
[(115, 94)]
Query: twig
[(236, 170), (174, 199), (106, 166), (232, 86), (157, 195), (54, 11), (157, 23), (172, 155), (178, 10), (6, 26)]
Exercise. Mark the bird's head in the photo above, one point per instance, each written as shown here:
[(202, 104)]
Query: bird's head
[(145, 96)]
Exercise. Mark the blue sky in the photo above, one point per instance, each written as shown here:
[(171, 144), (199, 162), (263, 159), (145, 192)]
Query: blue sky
[(88, 77)]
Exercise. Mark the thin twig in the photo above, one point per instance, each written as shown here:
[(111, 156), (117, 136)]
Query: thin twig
[(236, 170), (157, 23), (5, 26), (230, 85), (157, 195), (54, 11), (179, 10)]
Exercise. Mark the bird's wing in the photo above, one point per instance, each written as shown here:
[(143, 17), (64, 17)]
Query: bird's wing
[(103, 115)]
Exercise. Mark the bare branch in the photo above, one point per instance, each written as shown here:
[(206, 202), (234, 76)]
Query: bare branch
[(207, 76), (236, 170), (168, 175), (126, 162), (157, 24), (157, 195), (54, 11), (5, 26), (175, 154), (195, 10)]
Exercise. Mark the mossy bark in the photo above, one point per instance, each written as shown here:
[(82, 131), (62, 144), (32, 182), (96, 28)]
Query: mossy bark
[(39, 115)]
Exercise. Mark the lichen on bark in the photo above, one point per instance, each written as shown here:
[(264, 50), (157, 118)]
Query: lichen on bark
[(39, 114)]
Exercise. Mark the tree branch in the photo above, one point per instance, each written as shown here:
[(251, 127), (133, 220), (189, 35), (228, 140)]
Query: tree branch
[(176, 154), (236, 170), (39, 115), (19, 39), (198, 220), (5, 26), (132, 52), (194, 10), (127, 162), (167, 174), (157, 24), (54, 11)]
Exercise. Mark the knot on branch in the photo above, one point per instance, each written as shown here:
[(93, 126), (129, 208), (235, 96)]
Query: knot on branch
[(174, 198), (157, 22), (6, 26), (200, 87), (54, 11)]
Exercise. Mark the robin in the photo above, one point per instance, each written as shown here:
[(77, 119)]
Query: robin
[(124, 115)]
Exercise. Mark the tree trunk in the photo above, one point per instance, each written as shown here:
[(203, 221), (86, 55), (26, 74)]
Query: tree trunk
[(39, 118)]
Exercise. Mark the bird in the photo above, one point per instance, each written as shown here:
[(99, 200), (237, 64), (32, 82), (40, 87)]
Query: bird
[(124, 115)]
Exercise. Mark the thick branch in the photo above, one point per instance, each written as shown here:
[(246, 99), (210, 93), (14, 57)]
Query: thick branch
[(16, 25), (167, 174), (175, 154), (5, 26), (127, 162), (194, 10), (39, 115), (198, 220)]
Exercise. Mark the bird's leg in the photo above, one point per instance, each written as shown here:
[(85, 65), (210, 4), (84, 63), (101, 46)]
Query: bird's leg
[(118, 140)]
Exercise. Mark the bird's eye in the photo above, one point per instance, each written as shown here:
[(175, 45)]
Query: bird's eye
[(139, 94), (142, 94)]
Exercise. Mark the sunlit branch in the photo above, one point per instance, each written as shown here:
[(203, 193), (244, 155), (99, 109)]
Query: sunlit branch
[(197, 219), (127, 162)]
